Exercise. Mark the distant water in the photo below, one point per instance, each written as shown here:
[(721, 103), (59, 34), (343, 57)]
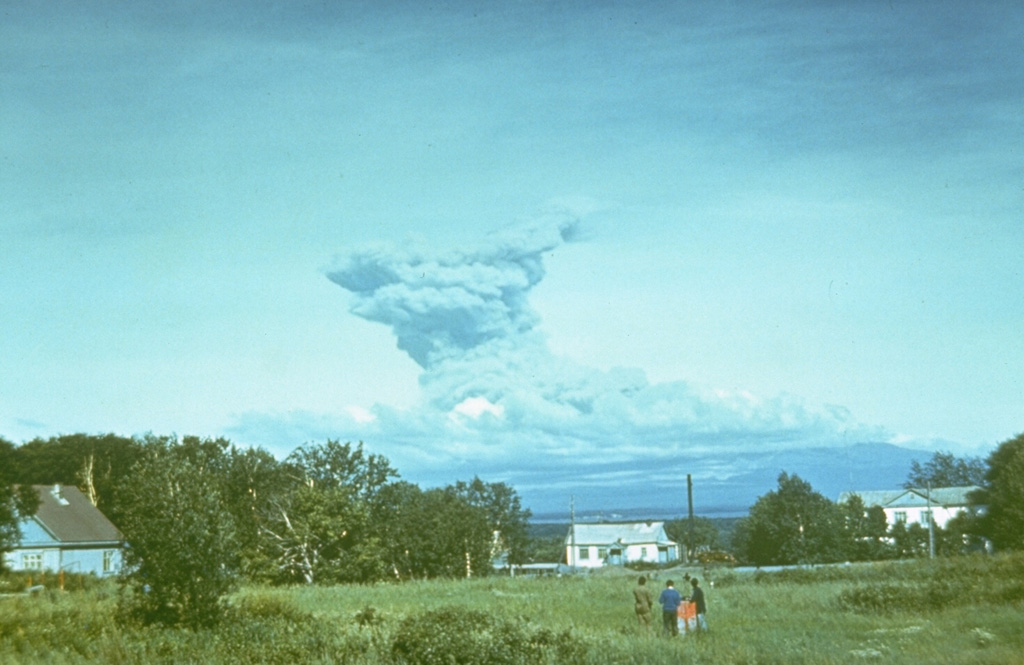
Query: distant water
[(632, 515), (830, 470)]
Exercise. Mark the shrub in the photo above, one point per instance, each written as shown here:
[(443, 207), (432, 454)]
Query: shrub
[(179, 562), (715, 556), (936, 585), (876, 599), (260, 606), (367, 617), (457, 636), (20, 581)]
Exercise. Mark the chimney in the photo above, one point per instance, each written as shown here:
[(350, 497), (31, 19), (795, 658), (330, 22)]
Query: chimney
[(57, 495)]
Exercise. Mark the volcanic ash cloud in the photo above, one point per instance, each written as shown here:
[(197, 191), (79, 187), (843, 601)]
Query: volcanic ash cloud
[(488, 375)]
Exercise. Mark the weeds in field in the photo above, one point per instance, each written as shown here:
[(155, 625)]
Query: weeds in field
[(962, 611), (460, 636), (931, 586)]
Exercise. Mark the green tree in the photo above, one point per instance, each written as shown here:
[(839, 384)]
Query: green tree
[(96, 464), (433, 533), (545, 548), (909, 541), (506, 517), (319, 535), (791, 525), (397, 515), (49, 461), (946, 470), (181, 552), (255, 480), (705, 536), (320, 529), (454, 538), (864, 530), (1002, 493), (16, 502), (333, 464), (961, 535)]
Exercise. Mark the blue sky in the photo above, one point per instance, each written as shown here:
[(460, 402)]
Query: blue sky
[(580, 248)]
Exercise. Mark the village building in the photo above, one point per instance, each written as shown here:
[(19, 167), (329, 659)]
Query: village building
[(597, 545), (67, 533), (917, 505)]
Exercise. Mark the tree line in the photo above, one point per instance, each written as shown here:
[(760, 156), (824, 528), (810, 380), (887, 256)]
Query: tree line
[(794, 524), (200, 514)]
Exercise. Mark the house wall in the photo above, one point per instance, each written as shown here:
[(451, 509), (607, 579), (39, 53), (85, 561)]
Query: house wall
[(586, 556), (32, 558), (38, 550), (34, 535), (596, 555), (643, 552), (102, 561), (918, 515), (49, 542)]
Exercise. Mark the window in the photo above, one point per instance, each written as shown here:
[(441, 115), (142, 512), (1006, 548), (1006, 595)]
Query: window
[(900, 516), (32, 561), (644, 552), (108, 561), (926, 517), (602, 552), (584, 553)]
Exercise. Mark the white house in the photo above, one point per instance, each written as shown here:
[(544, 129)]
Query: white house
[(596, 545), (910, 506), (67, 533)]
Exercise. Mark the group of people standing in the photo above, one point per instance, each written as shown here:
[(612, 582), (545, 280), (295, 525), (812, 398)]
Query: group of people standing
[(670, 600)]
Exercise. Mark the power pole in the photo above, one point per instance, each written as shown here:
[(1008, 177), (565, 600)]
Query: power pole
[(572, 533), (931, 521), (689, 502)]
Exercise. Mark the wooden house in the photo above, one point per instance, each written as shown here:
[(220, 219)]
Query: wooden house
[(67, 533)]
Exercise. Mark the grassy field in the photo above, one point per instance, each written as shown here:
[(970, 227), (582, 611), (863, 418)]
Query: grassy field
[(953, 611)]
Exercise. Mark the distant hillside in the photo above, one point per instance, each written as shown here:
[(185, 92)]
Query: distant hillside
[(548, 529), (830, 471)]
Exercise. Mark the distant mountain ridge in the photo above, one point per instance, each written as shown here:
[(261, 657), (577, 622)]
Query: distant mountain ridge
[(829, 470)]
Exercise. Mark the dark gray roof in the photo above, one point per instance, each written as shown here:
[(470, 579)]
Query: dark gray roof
[(914, 497), (67, 514)]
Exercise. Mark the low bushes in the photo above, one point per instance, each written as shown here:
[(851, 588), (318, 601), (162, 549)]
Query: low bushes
[(458, 636), (11, 582), (948, 612), (937, 585)]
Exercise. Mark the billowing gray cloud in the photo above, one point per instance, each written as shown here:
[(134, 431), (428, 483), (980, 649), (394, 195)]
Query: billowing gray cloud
[(495, 400), (445, 305)]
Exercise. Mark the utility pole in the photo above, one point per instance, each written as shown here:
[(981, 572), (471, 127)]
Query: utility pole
[(572, 533), (931, 521), (689, 502)]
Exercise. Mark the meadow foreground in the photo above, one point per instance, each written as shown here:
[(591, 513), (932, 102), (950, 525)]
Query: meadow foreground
[(958, 611)]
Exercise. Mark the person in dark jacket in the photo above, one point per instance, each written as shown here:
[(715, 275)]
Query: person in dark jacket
[(697, 597)]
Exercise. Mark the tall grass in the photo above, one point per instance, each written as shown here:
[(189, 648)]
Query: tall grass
[(962, 611)]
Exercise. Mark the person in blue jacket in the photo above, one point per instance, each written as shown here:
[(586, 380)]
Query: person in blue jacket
[(670, 600)]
